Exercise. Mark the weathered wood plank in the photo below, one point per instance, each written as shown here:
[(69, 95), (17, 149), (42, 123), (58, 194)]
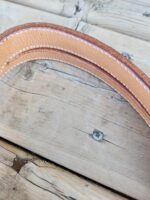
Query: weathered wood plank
[(131, 17), (28, 177), (12, 14), (64, 8), (60, 97)]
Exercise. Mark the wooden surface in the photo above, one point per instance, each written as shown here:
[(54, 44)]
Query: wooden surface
[(136, 50), (46, 106), (24, 176), (131, 17)]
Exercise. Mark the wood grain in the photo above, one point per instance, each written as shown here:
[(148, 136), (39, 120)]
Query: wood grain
[(71, 8), (37, 179), (13, 14), (131, 17), (46, 108)]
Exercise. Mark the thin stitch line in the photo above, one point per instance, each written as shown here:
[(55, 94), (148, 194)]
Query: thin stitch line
[(65, 63)]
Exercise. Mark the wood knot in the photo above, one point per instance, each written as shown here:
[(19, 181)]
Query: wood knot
[(18, 163)]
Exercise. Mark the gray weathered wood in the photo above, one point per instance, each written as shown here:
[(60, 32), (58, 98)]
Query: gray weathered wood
[(131, 17), (28, 177), (52, 109), (66, 8)]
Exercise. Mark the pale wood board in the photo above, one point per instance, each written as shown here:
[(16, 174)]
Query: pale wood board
[(67, 8), (12, 15), (52, 108), (131, 17), (27, 177), (136, 50)]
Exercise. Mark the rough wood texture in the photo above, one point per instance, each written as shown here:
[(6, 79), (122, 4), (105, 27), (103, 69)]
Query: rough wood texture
[(46, 108), (131, 17), (64, 8), (26, 177), (12, 14)]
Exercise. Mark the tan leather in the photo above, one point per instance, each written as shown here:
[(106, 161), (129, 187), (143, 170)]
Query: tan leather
[(49, 41)]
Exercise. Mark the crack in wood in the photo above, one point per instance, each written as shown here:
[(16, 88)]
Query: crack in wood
[(77, 78), (77, 8), (24, 91), (58, 193), (26, 173), (105, 140), (146, 14)]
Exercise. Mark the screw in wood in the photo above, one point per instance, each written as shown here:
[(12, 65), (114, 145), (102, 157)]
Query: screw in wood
[(98, 135)]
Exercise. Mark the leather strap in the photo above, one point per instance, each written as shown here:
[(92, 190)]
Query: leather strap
[(48, 41)]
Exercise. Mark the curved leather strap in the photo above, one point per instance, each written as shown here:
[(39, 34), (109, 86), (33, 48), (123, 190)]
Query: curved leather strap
[(48, 41)]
